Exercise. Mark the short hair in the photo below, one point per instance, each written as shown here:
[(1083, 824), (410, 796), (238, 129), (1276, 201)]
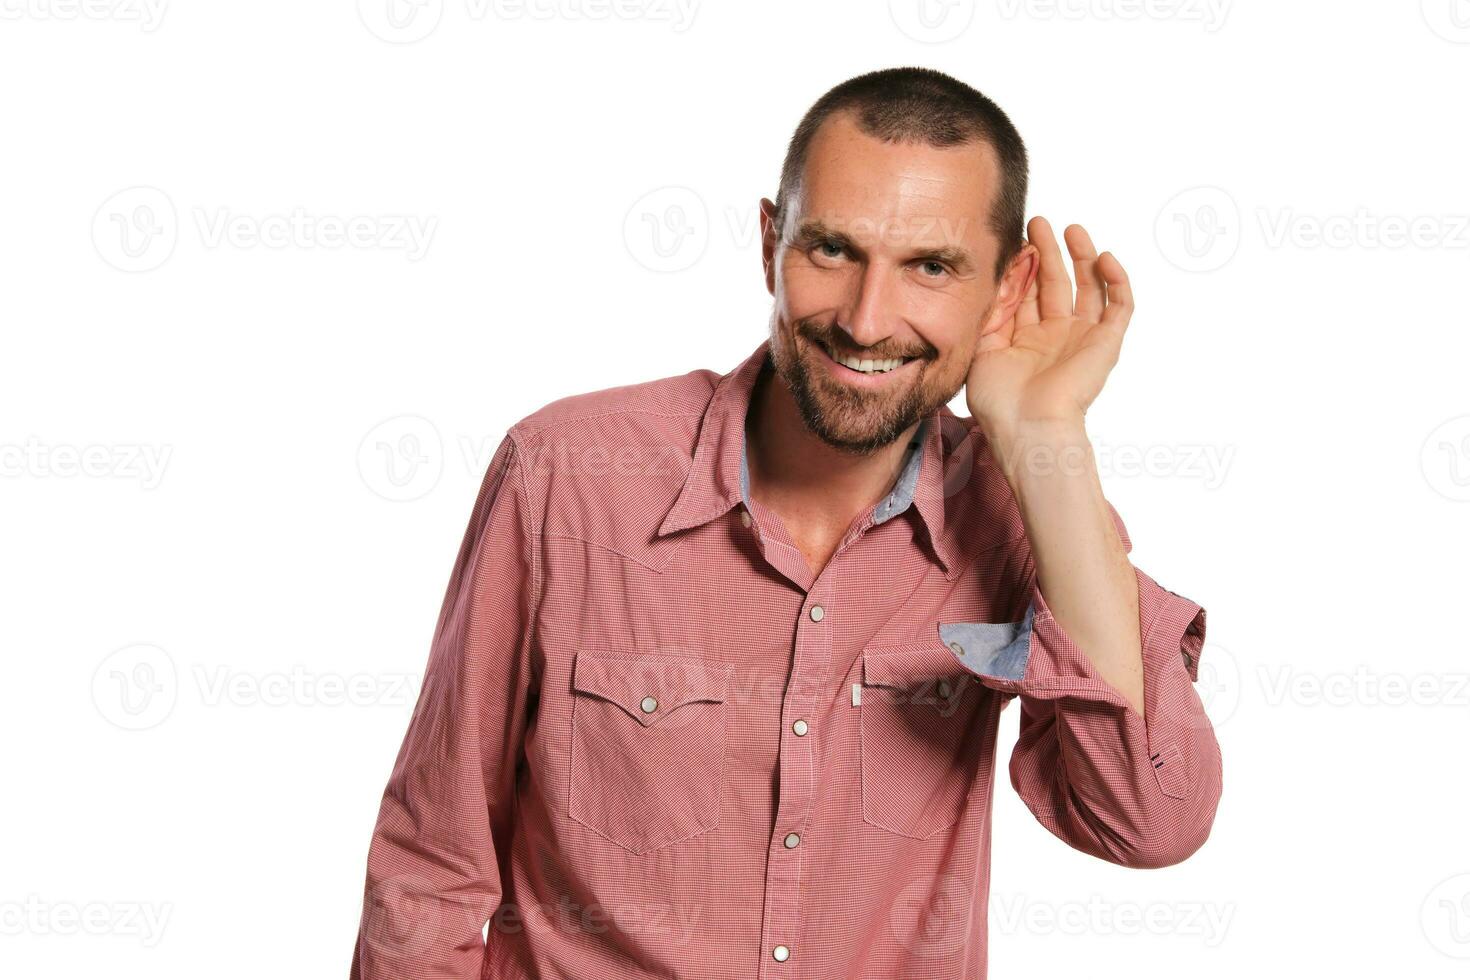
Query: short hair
[(926, 106)]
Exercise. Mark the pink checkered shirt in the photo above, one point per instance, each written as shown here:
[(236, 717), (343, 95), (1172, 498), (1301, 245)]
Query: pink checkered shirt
[(652, 744)]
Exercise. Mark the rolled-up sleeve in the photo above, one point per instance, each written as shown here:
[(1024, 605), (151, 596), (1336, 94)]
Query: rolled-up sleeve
[(433, 868), (1137, 791)]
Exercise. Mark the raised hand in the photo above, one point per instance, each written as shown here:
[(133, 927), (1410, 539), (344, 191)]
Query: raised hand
[(1048, 362)]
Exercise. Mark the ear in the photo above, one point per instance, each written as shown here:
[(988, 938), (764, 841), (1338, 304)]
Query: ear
[(770, 234), (1015, 283)]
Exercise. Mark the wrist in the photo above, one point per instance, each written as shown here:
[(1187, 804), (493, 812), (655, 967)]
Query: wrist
[(1040, 448)]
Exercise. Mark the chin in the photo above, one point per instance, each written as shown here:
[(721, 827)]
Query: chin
[(859, 428)]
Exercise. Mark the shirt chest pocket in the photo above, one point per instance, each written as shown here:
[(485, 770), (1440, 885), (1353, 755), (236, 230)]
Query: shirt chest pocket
[(922, 736), (648, 747)]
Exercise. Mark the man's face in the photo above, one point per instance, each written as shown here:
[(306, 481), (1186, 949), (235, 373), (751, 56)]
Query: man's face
[(886, 256)]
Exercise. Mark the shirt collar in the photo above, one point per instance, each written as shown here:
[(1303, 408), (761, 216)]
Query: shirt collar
[(718, 477)]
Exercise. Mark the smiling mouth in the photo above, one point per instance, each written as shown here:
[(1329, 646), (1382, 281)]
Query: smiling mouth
[(866, 365)]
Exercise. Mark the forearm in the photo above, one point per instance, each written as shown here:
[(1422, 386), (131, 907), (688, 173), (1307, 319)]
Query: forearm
[(1082, 568)]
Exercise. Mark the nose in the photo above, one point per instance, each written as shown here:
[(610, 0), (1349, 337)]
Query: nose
[(867, 316)]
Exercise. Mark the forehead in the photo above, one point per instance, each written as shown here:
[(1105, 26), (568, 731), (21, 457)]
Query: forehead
[(852, 178)]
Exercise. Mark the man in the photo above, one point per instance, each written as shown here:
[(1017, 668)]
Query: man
[(716, 685)]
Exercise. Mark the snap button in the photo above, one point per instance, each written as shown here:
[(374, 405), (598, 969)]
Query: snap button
[(817, 614), (799, 726), (649, 705), (745, 517), (792, 840), (781, 953), (958, 650)]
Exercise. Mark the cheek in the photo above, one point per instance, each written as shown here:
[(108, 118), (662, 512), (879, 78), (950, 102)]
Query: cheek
[(950, 323), (806, 291)]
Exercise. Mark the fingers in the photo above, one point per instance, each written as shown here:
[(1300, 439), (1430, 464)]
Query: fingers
[(1091, 291), (1119, 294), (1029, 312), (1104, 294), (1054, 286)]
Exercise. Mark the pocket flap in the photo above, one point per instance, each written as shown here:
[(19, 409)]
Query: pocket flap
[(648, 689), (907, 668)]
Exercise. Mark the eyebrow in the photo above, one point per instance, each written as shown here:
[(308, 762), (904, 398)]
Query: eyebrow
[(813, 232)]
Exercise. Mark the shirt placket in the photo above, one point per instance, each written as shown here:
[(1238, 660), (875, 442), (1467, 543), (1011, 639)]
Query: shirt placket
[(781, 922), (806, 688)]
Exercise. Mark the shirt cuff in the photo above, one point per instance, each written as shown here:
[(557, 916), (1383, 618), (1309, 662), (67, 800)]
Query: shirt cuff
[(1036, 658)]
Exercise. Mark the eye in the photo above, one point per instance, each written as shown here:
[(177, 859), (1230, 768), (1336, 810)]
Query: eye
[(829, 250), (933, 269)]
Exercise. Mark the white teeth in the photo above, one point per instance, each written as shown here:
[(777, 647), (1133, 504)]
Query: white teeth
[(867, 365)]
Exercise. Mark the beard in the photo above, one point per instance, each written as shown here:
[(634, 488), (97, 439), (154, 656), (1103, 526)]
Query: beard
[(850, 419)]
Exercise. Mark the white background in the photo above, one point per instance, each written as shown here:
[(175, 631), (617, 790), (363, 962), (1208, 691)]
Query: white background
[(239, 455)]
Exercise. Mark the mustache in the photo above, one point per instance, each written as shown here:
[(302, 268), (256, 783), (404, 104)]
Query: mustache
[(839, 342)]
